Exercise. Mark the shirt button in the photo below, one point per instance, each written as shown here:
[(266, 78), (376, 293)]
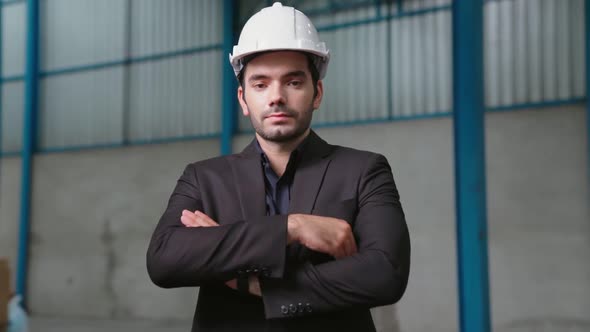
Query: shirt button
[(300, 308), (284, 310), (308, 308), (292, 309)]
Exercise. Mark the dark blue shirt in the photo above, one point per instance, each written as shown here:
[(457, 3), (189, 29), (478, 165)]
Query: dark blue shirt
[(278, 189)]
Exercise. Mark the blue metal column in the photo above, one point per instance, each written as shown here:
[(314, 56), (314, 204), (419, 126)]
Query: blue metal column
[(228, 93), (29, 141), (470, 183)]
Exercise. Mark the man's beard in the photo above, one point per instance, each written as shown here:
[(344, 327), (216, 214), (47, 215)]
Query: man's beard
[(302, 123)]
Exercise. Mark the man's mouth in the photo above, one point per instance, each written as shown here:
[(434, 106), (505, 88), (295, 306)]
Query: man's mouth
[(278, 115)]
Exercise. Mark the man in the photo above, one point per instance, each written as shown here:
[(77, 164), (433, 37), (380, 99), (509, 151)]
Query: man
[(292, 233)]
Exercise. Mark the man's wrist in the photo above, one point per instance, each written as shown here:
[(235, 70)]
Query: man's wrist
[(254, 286), (292, 228)]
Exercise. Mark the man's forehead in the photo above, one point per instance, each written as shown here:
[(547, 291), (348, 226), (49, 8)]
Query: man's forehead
[(278, 62)]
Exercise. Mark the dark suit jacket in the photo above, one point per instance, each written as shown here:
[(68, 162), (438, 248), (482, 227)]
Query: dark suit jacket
[(301, 289)]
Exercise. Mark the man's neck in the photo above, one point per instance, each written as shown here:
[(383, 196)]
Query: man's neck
[(278, 153)]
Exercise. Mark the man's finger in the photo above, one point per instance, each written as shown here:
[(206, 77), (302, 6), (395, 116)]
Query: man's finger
[(190, 219), (188, 214), (188, 222), (205, 218)]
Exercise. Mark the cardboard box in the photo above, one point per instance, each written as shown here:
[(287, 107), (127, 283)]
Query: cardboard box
[(4, 293)]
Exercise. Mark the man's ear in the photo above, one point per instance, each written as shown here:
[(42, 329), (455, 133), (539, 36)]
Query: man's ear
[(242, 101), (318, 98)]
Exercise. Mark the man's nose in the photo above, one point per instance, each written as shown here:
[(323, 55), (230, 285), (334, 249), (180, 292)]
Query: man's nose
[(276, 95)]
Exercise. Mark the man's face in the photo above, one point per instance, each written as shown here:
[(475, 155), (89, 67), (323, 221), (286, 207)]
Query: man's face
[(278, 95)]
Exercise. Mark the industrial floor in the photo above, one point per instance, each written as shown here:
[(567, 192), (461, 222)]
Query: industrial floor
[(40, 324)]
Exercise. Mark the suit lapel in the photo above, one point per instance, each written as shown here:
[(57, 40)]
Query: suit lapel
[(249, 182), (309, 175)]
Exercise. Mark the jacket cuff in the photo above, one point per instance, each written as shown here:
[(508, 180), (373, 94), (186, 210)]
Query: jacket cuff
[(272, 239), (281, 299)]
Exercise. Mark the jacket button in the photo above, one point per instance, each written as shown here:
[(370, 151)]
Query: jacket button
[(300, 308), (292, 309), (255, 271), (308, 308), (284, 310)]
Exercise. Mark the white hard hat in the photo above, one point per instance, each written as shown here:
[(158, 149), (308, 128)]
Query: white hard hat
[(280, 28)]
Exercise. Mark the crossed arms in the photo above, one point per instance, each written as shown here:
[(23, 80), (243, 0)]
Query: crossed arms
[(189, 248)]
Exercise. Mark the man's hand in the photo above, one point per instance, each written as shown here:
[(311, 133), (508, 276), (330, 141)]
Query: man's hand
[(199, 219), (324, 234), (253, 285), (196, 219)]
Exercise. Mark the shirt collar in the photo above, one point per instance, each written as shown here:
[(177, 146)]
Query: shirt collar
[(294, 154)]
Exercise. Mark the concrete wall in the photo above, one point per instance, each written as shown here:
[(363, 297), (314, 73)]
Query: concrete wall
[(94, 212), (10, 175)]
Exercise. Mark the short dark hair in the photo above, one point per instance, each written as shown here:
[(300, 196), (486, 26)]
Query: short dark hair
[(315, 75)]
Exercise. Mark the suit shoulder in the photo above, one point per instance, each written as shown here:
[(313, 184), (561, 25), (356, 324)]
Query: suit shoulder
[(214, 163), (355, 154)]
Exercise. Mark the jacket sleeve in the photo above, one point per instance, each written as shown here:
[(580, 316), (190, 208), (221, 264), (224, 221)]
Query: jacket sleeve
[(376, 275), (181, 256)]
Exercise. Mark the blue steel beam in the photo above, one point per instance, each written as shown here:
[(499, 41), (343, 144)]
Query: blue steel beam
[(228, 92), (470, 183), (29, 142)]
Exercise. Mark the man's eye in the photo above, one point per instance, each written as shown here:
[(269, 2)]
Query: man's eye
[(295, 83), (259, 85)]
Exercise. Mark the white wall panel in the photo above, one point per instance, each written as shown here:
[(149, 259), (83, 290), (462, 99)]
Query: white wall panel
[(521, 52), (81, 32), (578, 44), (13, 39), (549, 55), (562, 28), (535, 45), (356, 83), (176, 97), (400, 66), (165, 26), (444, 59), (534, 51), (506, 52), (171, 97), (491, 56), (81, 109), (429, 49)]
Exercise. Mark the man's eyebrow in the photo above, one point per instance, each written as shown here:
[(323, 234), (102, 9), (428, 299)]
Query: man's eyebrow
[(257, 77), (295, 73)]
